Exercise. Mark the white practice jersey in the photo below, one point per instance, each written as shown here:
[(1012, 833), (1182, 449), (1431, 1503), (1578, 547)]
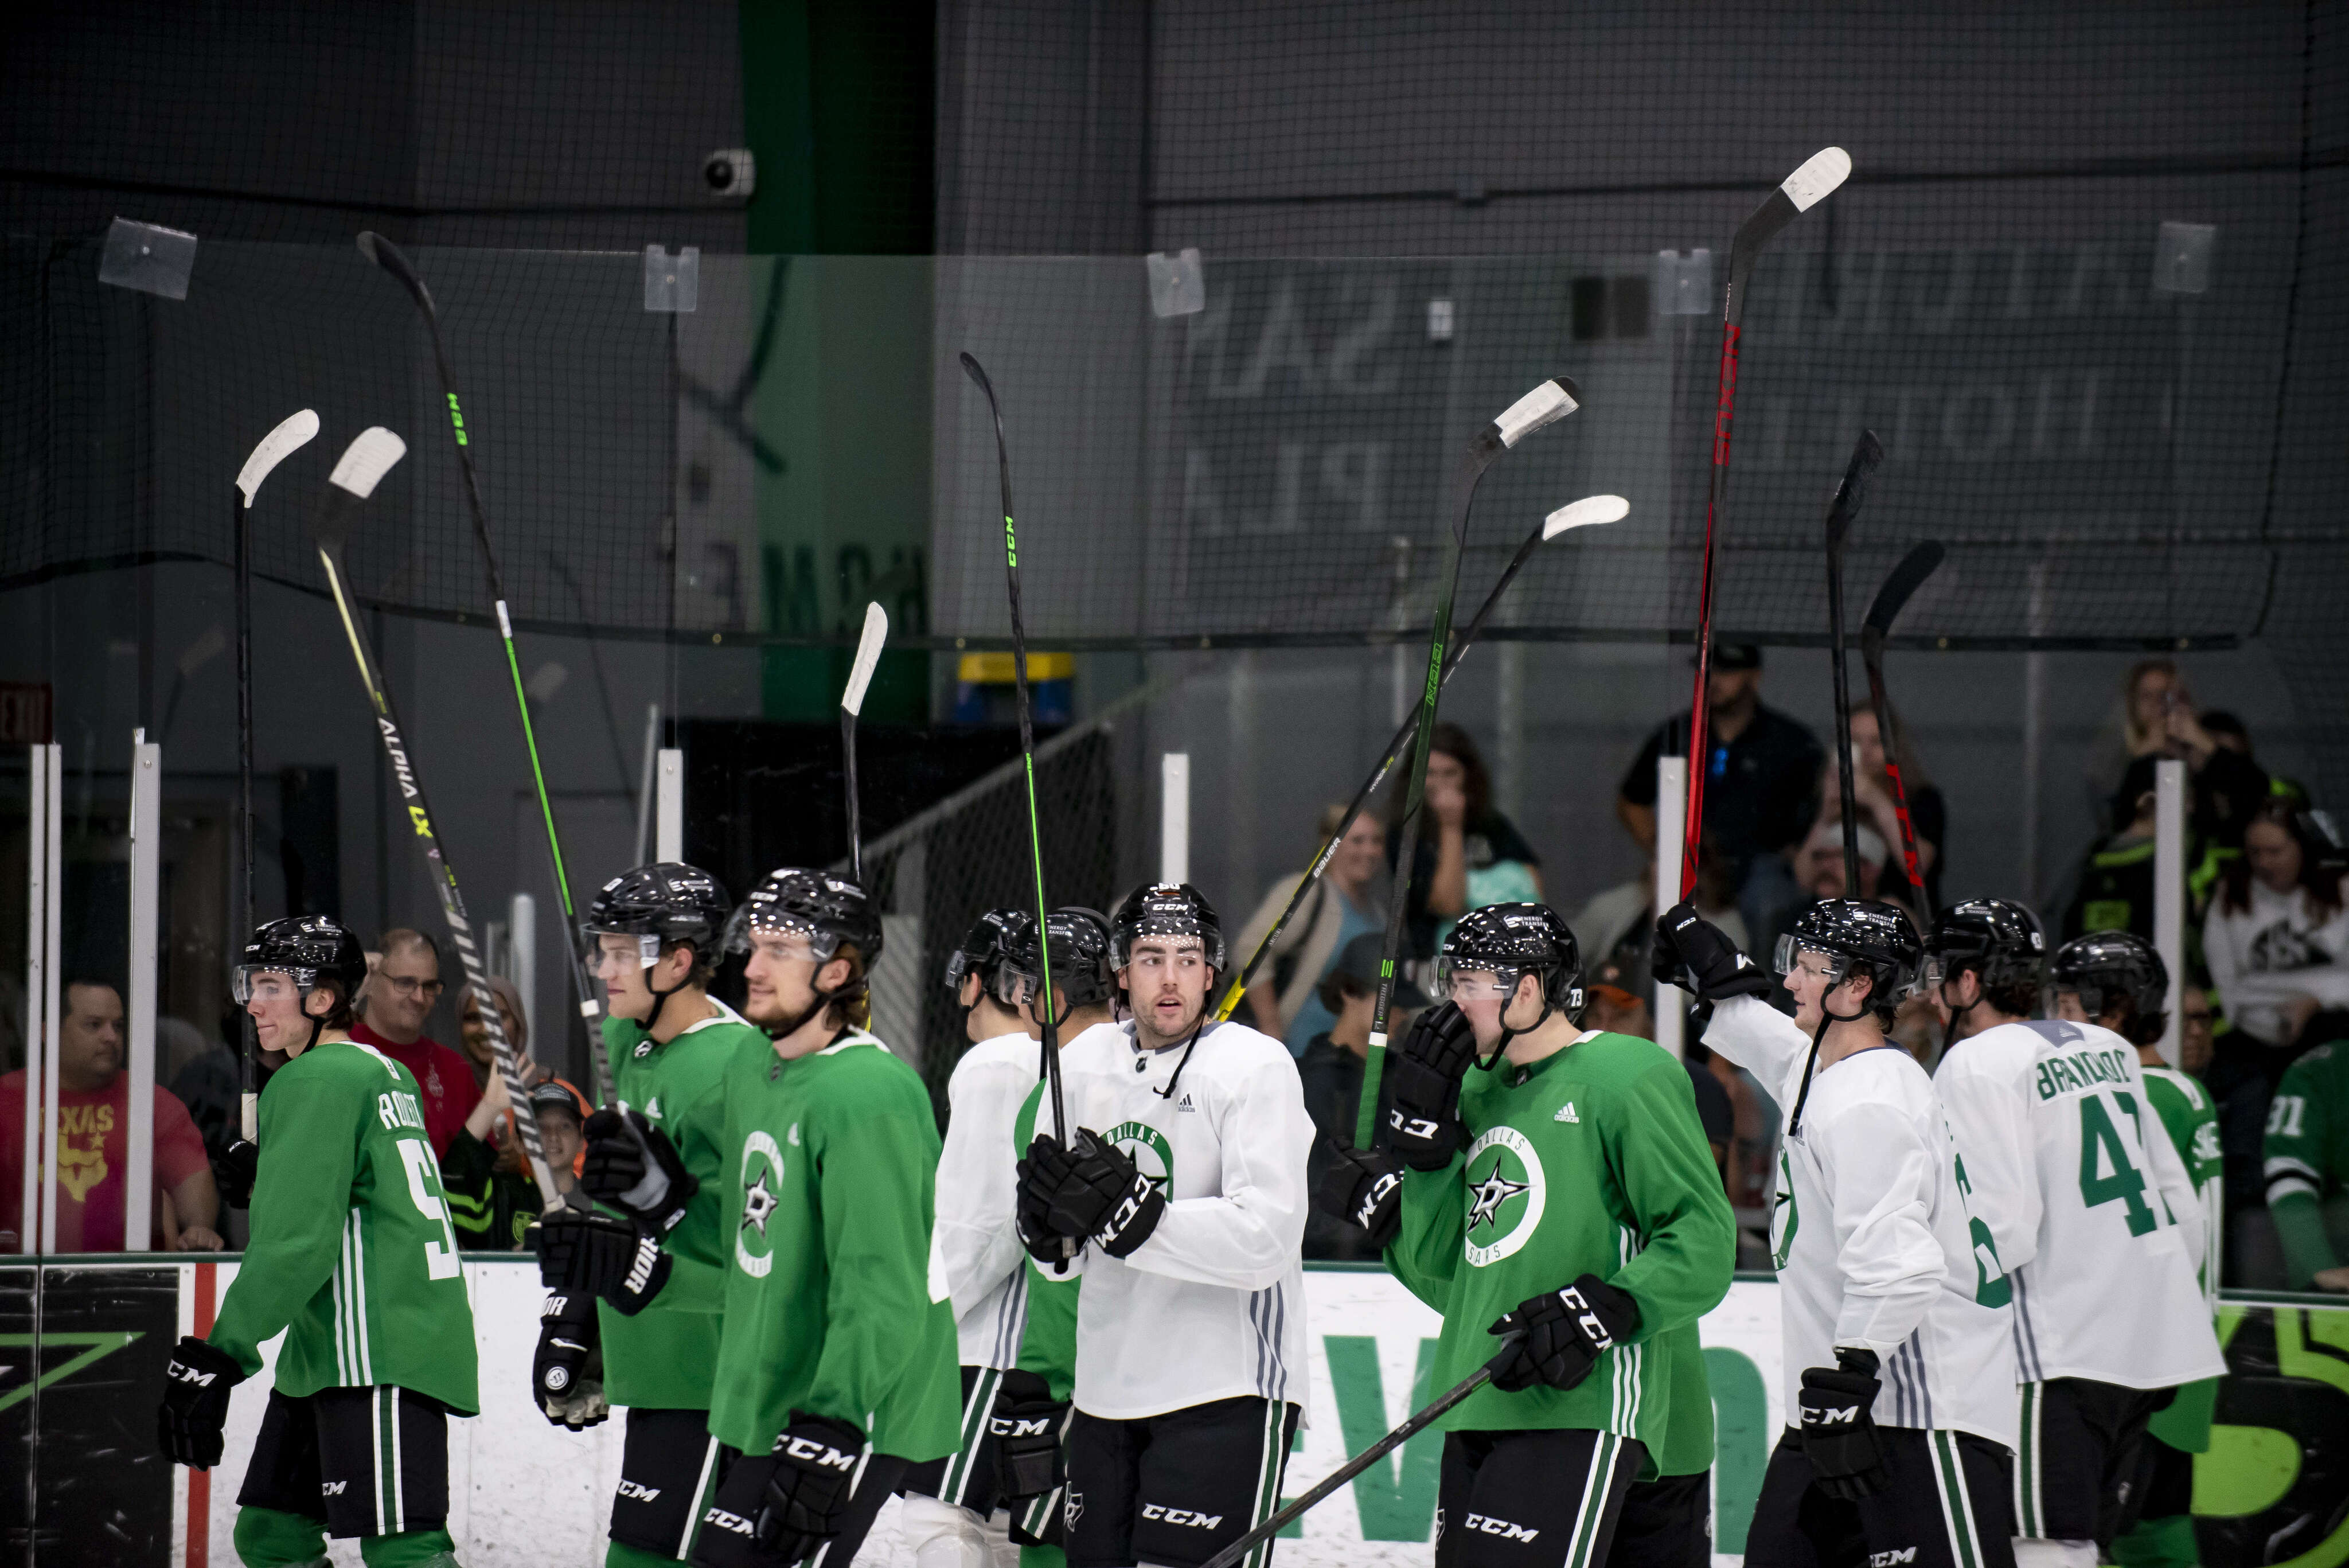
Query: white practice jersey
[(1870, 1235), (2094, 1214), (1212, 1307), (974, 1243)]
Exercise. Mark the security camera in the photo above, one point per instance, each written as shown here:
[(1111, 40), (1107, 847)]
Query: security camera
[(730, 173)]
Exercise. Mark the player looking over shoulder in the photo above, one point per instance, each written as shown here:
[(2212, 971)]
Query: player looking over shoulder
[(1897, 1360), (1011, 1423), (1563, 1187), (2054, 1121), (653, 937), (835, 1367), (1182, 1187), (352, 1256)]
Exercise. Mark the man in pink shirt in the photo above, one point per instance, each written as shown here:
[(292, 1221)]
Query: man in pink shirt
[(400, 995)]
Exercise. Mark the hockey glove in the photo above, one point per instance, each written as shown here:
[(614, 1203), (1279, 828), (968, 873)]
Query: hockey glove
[(1839, 1428), (1566, 1333), (1691, 951), (239, 1168), (1364, 1187), (1424, 1084), (565, 1376), (1047, 1165), (631, 1165), (1104, 1196), (195, 1403), (816, 1468), (596, 1255), (1026, 1424)]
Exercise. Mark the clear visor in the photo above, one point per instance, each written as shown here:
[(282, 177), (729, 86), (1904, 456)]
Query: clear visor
[(247, 980), (749, 921), (591, 945), (1467, 980), (1939, 970), (1794, 953)]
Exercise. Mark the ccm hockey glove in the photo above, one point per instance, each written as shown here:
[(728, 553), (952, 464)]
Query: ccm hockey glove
[(631, 1165), (816, 1468), (1566, 1333), (564, 1374), (1105, 1197), (1364, 1187), (1423, 1084), (195, 1403), (1047, 1165), (1026, 1424), (591, 1255), (1839, 1426), (239, 1166), (1691, 951)]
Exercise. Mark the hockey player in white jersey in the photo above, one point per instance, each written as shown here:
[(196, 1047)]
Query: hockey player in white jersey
[(950, 1519), (1184, 1185), (1892, 1299)]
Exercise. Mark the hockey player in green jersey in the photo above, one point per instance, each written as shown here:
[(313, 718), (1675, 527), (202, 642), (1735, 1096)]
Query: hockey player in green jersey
[(653, 938), (353, 1258), (2307, 1167), (1563, 1186), (836, 1367)]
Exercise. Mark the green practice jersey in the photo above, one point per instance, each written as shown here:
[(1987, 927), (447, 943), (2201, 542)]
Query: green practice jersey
[(352, 1251), (1590, 1160), (665, 1356), (2306, 1163), (2192, 1123), (832, 1304)]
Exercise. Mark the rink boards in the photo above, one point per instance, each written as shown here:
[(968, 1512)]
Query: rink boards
[(522, 1492)]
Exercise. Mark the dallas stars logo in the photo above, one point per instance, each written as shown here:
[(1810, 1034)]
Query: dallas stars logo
[(758, 1202), (761, 1171), (1485, 1198), (1504, 1205)]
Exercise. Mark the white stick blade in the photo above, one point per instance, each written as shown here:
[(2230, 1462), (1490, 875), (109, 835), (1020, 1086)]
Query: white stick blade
[(293, 433), (1581, 514), (1817, 177), (1545, 404), (869, 654), (366, 460)]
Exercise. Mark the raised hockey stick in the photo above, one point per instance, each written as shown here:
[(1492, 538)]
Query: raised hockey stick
[(1796, 194), (852, 702), (1550, 401), (362, 466), (387, 256), (1590, 509), (1841, 510), (1906, 579), (1050, 1071), (293, 433), (1418, 1423)]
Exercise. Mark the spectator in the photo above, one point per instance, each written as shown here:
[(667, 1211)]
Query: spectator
[(475, 1038), (493, 1196), (1620, 922), (2116, 883), (1286, 1000), (2230, 732), (400, 995), (93, 1155), (1871, 788), (1469, 853), (2195, 1018), (1818, 865), (2139, 726), (1762, 770), (212, 1085), (2277, 937), (1614, 1002), (1331, 1074)]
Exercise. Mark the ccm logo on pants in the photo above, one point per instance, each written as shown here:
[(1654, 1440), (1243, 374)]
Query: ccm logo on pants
[(1484, 1523), (1891, 1558), (1019, 1426), (1181, 1516), (638, 1491)]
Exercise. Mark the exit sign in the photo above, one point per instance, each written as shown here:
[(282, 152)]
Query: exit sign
[(25, 707)]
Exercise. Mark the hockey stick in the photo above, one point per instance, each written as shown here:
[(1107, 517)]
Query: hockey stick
[(1906, 579), (293, 433), (387, 256), (1590, 509), (1051, 1041), (1550, 401), (1800, 191), (1418, 1423), (851, 701), (362, 466), (1841, 510)]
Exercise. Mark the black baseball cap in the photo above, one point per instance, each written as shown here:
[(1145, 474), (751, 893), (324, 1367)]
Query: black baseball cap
[(1359, 961), (1736, 655)]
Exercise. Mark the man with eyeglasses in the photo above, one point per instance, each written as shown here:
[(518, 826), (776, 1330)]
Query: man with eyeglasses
[(400, 995)]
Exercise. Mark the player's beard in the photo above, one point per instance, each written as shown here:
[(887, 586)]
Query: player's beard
[(1147, 1030)]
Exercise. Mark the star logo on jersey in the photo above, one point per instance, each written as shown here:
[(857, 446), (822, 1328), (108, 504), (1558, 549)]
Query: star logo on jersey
[(758, 1202), (1784, 1218), (1506, 1194), (1485, 1199), (761, 1174), (1148, 1149)]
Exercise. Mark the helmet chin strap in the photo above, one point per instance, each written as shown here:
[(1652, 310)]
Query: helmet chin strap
[(1826, 1016), (1501, 1047), (661, 997), (1949, 1033)]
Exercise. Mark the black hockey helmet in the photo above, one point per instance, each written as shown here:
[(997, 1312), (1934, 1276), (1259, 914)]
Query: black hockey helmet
[(984, 948), (1997, 938), (2105, 966), (1859, 937), (664, 903), (828, 910), (1078, 938), (1165, 909), (306, 949), (1513, 940)]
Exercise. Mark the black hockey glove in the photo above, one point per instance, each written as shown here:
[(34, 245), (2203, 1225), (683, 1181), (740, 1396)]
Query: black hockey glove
[(1364, 1187), (1040, 1175), (1104, 1196), (195, 1403), (590, 1254), (239, 1168), (1566, 1333), (565, 1376), (1691, 951), (816, 1468), (631, 1165), (1839, 1428), (1026, 1424), (1423, 1084)]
